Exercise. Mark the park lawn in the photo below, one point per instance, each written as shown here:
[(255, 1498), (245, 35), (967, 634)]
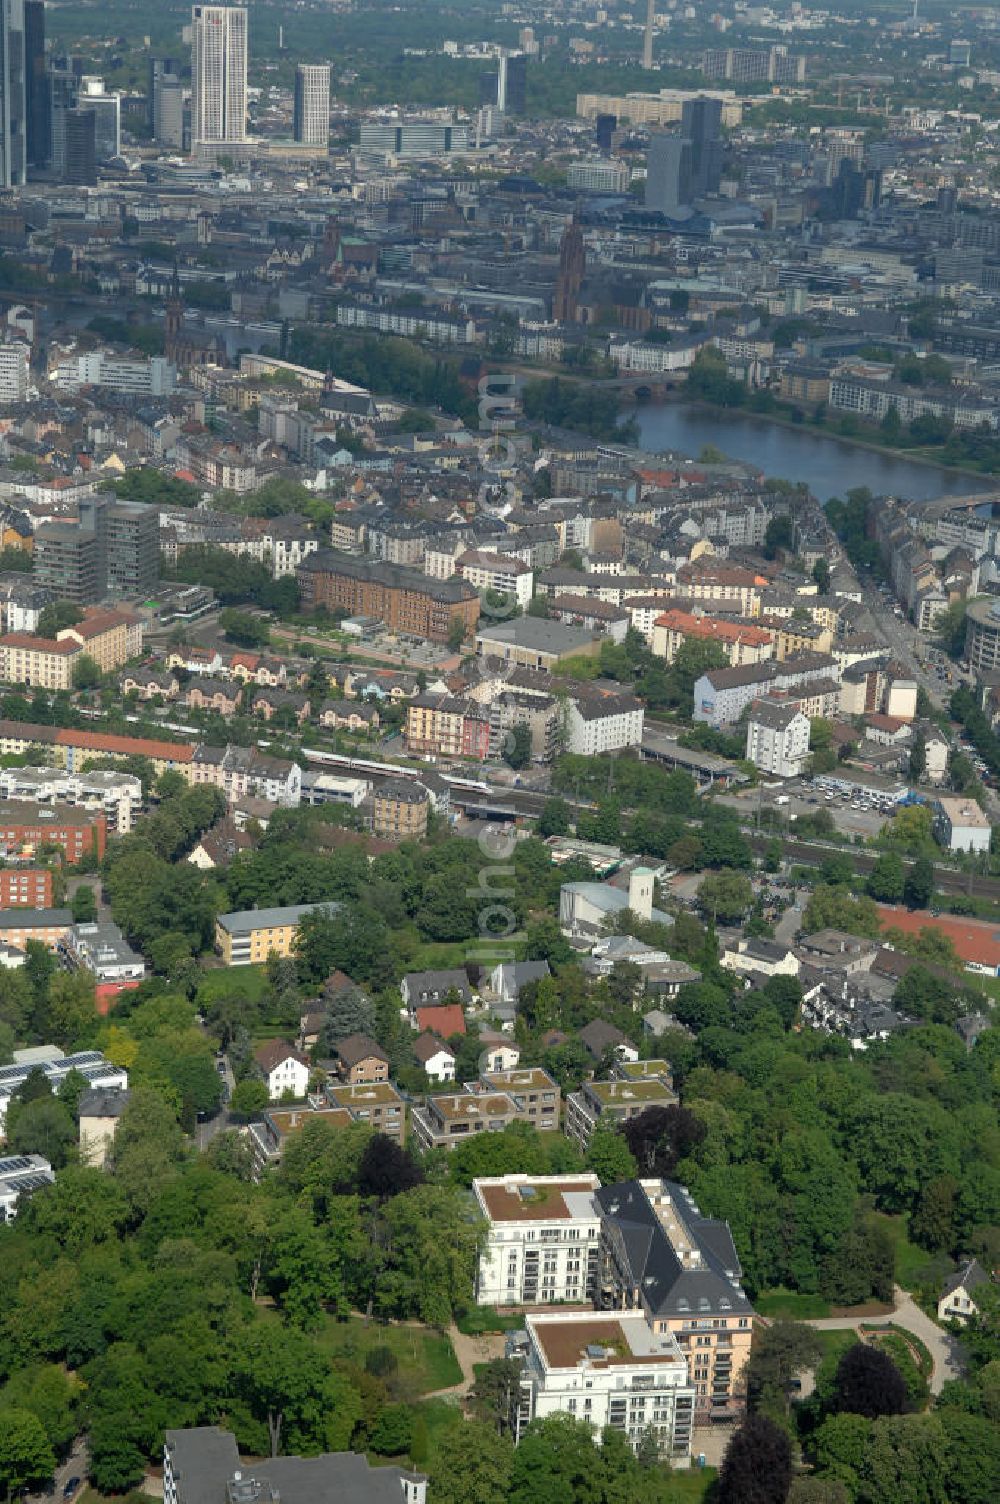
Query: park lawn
[(691, 1485), (426, 1358), (782, 1302), (482, 1320), (229, 981)]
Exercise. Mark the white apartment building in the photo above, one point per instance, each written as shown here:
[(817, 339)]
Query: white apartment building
[(777, 738), (501, 572), (21, 1175), (543, 1239), (218, 73), (154, 376), (609, 1369), (960, 825), (14, 363), (604, 723), (118, 795), (56, 1066), (654, 360), (599, 175)]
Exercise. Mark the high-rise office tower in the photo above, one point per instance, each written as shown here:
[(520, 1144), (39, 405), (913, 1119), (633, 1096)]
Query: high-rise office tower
[(62, 87), (311, 113), (81, 150), (159, 68), (168, 110), (106, 110), (668, 173), (38, 135), (13, 152), (218, 73), (604, 130), (647, 36), (701, 123), (512, 83)]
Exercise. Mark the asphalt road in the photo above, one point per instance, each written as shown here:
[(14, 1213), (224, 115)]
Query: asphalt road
[(222, 1120), (75, 1466)]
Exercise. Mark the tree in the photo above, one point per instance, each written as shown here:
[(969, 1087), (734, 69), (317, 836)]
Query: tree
[(431, 1250), (778, 535), (887, 877), (44, 1127), (517, 747), (393, 1431), (907, 1459), (868, 1383), (470, 1464), (84, 905), (780, 1351), (290, 1397), (26, 1459), (456, 633), (387, 1169), (660, 1137), (821, 574), (249, 1097), (554, 819), (244, 628), (496, 1390), (919, 886), (56, 616), (556, 1459), (86, 672), (918, 757), (725, 895), (757, 1467)]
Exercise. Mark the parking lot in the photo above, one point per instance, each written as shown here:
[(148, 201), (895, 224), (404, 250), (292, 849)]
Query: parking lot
[(854, 816)]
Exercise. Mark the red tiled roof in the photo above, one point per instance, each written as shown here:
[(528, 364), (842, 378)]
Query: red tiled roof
[(976, 943), (445, 1019), (126, 746), (38, 644)]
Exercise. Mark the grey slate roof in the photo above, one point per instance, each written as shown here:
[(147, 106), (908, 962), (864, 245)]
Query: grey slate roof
[(668, 1288), (208, 1470)]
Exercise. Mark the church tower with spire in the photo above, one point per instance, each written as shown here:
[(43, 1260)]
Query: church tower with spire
[(572, 265), (173, 328)]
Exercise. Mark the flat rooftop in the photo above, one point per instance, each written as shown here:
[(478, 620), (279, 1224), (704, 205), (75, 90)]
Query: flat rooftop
[(612, 1093), (601, 1341), (456, 1106), (537, 1200), (366, 1094), (293, 1119)]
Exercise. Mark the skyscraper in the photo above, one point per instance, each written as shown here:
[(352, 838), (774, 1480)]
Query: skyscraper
[(168, 110), (512, 83), (701, 122), (159, 68), (38, 135), (311, 115), (668, 173), (13, 153), (218, 74), (647, 35), (81, 149)]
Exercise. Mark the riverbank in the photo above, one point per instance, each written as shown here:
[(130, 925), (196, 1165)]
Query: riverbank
[(781, 419)]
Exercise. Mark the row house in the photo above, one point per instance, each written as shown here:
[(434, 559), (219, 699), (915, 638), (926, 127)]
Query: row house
[(447, 727), (246, 771)]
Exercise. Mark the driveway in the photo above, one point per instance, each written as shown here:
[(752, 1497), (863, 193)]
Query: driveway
[(945, 1350), (470, 1351)]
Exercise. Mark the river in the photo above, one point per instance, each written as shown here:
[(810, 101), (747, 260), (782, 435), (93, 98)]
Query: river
[(828, 466)]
